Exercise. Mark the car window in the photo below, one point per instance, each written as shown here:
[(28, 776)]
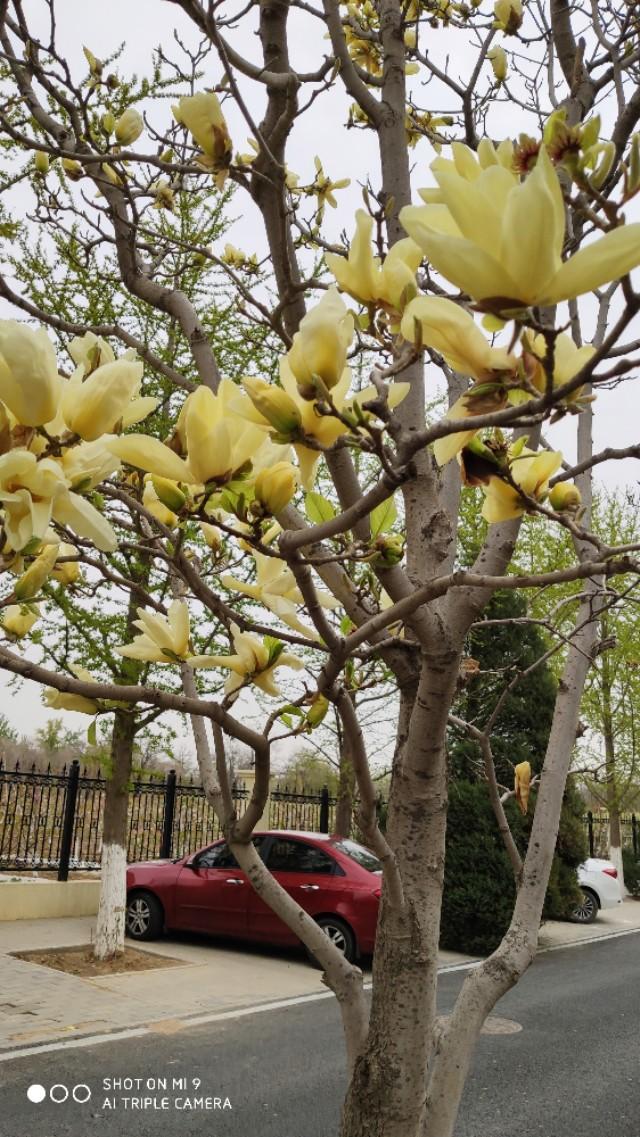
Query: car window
[(296, 856), (358, 853), (220, 856)]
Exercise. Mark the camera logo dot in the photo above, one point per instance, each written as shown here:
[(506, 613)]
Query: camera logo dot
[(59, 1093)]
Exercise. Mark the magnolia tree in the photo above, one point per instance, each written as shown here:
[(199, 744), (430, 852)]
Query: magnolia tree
[(332, 482)]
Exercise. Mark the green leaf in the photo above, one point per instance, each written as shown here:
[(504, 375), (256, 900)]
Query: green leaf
[(317, 508), (91, 733), (383, 517)]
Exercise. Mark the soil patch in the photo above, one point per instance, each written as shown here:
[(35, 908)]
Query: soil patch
[(80, 961)]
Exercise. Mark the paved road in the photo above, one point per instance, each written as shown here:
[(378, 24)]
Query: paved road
[(573, 1069)]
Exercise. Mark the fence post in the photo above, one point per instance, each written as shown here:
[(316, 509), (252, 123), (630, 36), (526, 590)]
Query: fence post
[(590, 828), (69, 820), (634, 834), (169, 811), (324, 809)]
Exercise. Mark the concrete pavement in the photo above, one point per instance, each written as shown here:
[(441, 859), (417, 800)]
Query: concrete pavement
[(39, 1004)]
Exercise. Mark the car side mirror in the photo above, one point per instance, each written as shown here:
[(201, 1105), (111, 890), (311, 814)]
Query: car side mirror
[(191, 864)]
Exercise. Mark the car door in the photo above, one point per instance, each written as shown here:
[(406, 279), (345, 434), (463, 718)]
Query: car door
[(312, 877), (212, 893)]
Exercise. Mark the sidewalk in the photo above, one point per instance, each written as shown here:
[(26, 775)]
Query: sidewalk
[(41, 1005)]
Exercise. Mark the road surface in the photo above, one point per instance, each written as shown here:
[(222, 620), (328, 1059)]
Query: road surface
[(573, 1069)]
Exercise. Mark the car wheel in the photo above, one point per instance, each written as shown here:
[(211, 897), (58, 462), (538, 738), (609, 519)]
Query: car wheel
[(587, 910), (145, 918), (340, 935)]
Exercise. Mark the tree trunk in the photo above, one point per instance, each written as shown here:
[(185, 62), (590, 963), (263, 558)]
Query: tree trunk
[(613, 801), (109, 934), (387, 1091), (613, 796)]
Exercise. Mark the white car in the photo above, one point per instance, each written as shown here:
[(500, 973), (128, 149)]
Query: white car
[(600, 887)]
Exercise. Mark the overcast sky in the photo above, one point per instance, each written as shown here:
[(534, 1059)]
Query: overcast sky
[(142, 24)]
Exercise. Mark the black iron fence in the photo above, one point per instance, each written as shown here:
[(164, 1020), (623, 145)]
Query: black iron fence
[(53, 821), (597, 825)]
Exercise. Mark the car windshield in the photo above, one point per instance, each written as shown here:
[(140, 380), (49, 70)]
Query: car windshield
[(360, 854)]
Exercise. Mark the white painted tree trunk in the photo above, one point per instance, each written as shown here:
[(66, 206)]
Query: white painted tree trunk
[(615, 856), (109, 933)]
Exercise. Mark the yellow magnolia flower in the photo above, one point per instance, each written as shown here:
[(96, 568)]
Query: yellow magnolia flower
[(67, 572), (91, 351), (94, 406), (29, 381), (320, 345), (275, 587), (255, 661), (218, 442), (36, 491), (18, 619), (452, 331), (361, 275), (202, 115), (163, 639), (323, 188), (64, 701), (275, 486), (531, 473), (568, 360), (129, 127), (88, 464), (469, 164), (501, 241), (324, 429), (28, 488), (508, 15)]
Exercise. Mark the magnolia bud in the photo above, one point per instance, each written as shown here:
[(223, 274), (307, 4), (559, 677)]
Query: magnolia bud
[(169, 493), (317, 710), (522, 782), (129, 127), (274, 405), (565, 497), (63, 701), (389, 549), (41, 162), (38, 572), (72, 169), (212, 536), (275, 487), (95, 64), (18, 619), (108, 122), (498, 60)]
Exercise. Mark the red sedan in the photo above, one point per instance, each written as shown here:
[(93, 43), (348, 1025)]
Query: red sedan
[(335, 880)]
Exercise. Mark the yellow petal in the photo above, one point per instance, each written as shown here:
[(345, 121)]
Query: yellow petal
[(606, 259), (150, 455)]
